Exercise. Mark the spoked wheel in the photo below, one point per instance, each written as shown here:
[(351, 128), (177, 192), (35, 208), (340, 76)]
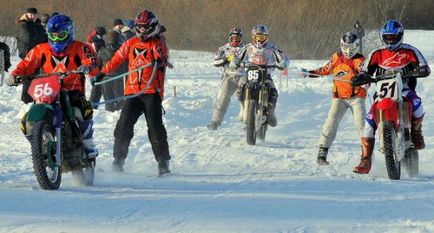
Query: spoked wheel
[(393, 166), (85, 175), (251, 122), (411, 161), (43, 146)]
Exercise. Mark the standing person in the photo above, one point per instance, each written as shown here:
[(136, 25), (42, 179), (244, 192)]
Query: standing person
[(97, 42), (224, 55), (128, 29), (30, 34), (6, 56), (118, 25), (392, 55), (44, 20), (262, 52), (114, 89), (63, 53), (360, 32), (147, 47), (344, 66)]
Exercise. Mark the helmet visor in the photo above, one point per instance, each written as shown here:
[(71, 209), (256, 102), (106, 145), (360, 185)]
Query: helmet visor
[(57, 36), (259, 38), (350, 49), (391, 38), (144, 28)]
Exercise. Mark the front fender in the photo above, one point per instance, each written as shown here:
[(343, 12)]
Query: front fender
[(38, 112)]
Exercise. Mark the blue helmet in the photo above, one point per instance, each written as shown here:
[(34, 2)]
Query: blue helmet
[(392, 34), (60, 31)]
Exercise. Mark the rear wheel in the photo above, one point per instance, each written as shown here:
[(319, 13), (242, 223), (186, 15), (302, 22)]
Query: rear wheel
[(389, 137), (250, 122), (43, 146)]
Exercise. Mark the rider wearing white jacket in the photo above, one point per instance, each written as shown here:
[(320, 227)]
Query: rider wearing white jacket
[(262, 52), (229, 83)]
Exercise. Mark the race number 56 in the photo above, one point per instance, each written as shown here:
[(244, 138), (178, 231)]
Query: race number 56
[(42, 90), (253, 75)]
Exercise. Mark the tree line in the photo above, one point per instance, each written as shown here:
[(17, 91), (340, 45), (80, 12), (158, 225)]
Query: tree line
[(305, 29)]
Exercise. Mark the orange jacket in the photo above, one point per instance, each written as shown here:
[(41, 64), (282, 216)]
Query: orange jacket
[(343, 71), (140, 53), (42, 56)]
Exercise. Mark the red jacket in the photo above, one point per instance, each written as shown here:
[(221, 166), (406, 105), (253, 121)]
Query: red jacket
[(140, 53), (42, 56)]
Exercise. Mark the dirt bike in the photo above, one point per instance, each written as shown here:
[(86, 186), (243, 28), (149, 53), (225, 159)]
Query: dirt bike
[(393, 116), (255, 102), (54, 133)]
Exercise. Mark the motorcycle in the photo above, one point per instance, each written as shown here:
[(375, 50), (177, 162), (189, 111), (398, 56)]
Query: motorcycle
[(393, 115), (54, 133), (255, 102)]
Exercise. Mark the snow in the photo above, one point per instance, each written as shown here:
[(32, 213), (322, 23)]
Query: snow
[(218, 182)]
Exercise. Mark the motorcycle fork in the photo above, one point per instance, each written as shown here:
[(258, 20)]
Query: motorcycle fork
[(58, 121)]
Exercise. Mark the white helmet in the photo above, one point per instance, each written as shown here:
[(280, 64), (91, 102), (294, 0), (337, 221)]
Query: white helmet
[(350, 44), (260, 35)]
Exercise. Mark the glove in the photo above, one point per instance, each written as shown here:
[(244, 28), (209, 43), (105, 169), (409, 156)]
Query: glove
[(13, 80), (360, 79), (281, 65), (84, 69), (97, 78), (233, 64), (303, 73)]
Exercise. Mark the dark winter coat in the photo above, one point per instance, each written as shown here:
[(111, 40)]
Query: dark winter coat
[(29, 35), (7, 55)]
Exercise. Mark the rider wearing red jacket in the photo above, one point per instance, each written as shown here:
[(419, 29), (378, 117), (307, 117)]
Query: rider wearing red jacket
[(146, 48), (393, 55), (63, 53)]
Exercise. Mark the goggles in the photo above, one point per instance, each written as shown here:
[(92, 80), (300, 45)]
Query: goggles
[(235, 38), (259, 38), (391, 38), (144, 28), (57, 36)]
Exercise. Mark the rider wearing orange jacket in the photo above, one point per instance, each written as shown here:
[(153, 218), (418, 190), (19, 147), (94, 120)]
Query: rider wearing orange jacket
[(148, 47), (63, 53)]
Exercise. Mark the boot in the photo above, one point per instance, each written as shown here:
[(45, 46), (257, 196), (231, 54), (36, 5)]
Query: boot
[(118, 165), (366, 159), (322, 156), (271, 117), (88, 144), (416, 133), (213, 125), (163, 167)]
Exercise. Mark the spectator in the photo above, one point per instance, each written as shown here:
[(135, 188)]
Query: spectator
[(97, 42), (127, 30), (44, 20), (6, 54), (114, 89), (118, 25), (30, 33)]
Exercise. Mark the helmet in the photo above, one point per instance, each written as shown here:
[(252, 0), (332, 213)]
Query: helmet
[(146, 24), (60, 31), (235, 35), (100, 30), (392, 34), (260, 35), (350, 44)]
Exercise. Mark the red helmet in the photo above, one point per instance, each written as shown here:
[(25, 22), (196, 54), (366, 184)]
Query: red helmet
[(146, 24)]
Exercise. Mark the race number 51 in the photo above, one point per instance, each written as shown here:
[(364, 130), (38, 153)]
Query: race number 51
[(42, 90)]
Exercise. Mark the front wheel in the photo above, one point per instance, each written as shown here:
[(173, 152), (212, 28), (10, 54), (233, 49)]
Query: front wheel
[(48, 174), (251, 123), (393, 166)]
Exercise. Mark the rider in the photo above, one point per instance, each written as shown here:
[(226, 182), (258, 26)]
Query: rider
[(223, 57), (62, 53), (262, 52), (147, 47), (344, 66), (393, 55)]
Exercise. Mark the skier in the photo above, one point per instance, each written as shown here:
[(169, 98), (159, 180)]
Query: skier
[(225, 54), (147, 47), (63, 53), (262, 52), (392, 55), (344, 66)]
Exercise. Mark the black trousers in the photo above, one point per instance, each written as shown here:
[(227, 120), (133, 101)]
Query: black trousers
[(150, 105)]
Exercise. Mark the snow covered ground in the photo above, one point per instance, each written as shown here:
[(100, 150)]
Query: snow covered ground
[(219, 183)]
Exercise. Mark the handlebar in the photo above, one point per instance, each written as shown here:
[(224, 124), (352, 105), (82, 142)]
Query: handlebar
[(62, 75), (246, 65)]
